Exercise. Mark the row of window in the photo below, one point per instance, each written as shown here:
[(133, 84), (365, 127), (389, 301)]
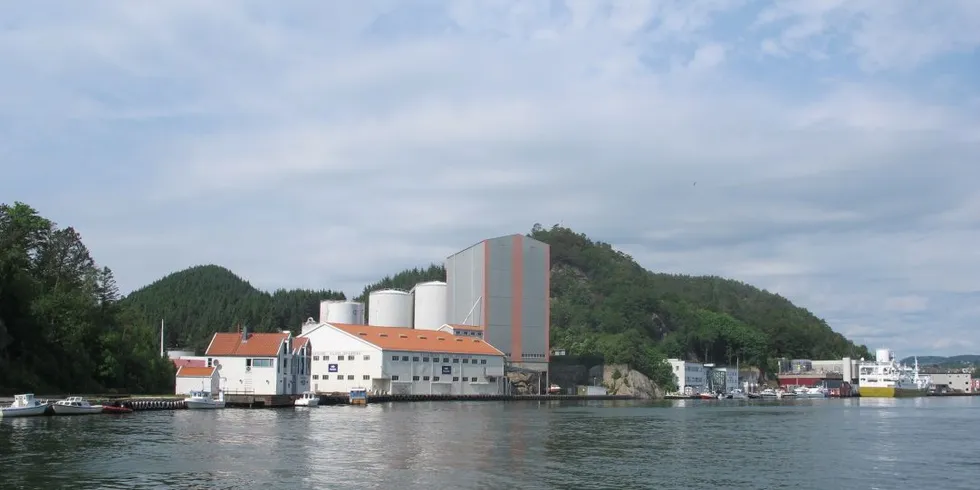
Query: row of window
[(340, 358), (366, 377), (436, 359), (474, 379)]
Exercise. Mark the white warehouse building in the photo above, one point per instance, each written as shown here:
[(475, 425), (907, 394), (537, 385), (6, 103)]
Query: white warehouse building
[(402, 361)]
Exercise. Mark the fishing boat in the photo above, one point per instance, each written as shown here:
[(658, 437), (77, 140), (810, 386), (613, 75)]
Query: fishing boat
[(116, 409), (886, 378), (75, 405), (24, 405), (358, 396), (307, 399), (202, 400)]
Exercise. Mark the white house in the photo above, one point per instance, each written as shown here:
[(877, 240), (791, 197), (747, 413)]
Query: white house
[(193, 378), (260, 363), (462, 330), (690, 376), (402, 361)]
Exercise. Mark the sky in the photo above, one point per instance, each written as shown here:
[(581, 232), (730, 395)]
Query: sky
[(827, 150)]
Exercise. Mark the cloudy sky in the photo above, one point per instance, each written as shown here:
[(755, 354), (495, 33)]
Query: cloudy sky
[(835, 144)]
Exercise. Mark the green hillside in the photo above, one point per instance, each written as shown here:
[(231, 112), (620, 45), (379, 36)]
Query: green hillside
[(62, 328), (196, 302)]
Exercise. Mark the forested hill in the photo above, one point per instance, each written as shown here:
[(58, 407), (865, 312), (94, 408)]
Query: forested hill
[(62, 328), (197, 302)]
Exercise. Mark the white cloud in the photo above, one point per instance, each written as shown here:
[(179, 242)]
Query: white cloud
[(327, 144)]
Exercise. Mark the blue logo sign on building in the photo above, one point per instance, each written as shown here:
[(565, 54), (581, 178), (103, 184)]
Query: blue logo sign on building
[(447, 370), (332, 368)]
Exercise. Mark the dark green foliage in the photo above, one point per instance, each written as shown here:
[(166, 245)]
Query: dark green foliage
[(199, 301), (62, 328), (603, 302)]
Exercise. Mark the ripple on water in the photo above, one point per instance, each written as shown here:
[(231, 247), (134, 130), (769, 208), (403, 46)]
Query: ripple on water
[(802, 444)]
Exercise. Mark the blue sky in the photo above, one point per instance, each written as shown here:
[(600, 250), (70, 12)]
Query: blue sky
[(835, 144)]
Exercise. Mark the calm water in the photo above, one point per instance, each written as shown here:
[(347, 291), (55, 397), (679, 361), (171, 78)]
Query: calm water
[(804, 444)]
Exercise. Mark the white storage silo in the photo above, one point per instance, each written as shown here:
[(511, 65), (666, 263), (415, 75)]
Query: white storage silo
[(430, 305), (390, 308), (883, 355), (350, 312), (325, 309)]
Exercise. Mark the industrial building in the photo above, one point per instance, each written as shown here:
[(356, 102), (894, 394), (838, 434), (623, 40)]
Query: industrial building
[(806, 372), (951, 381), (503, 286), (690, 377), (260, 363), (462, 330), (193, 378), (400, 360)]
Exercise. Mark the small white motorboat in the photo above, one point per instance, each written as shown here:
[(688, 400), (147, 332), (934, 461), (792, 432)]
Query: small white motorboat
[(202, 400), (24, 406), (815, 392), (738, 394), (307, 399), (75, 405)]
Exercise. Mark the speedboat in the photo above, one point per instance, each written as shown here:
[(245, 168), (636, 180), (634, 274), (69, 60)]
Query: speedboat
[(202, 400), (75, 405), (814, 392), (738, 394), (769, 393), (24, 406), (307, 399)]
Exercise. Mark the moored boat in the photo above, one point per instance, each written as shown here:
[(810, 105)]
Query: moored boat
[(203, 400), (358, 396), (24, 405), (307, 399), (116, 409), (738, 394), (886, 378), (75, 405)]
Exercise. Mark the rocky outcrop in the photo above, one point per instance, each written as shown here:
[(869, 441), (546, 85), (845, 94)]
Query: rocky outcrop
[(524, 382), (619, 379)]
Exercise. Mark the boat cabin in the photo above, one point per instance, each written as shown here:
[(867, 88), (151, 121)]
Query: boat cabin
[(358, 396), (25, 400)]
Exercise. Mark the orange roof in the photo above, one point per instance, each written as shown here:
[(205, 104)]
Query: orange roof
[(258, 344), (299, 342), (409, 339), (195, 372), (189, 362)]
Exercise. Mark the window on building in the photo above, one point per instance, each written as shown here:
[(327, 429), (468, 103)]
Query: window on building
[(367, 358), (350, 358), (425, 359), (435, 378), (394, 358), (209, 362), (465, 379), (415, 359), (316, 376), (445, 359), (474, 380), (316, 358), (455, 361), (425, 378), (367, 377), (340, 376), (466, 361), (326, 358), (455, 378), (483, 361), (394, 377), (405, 358), (350, 376), (261, 363), (415, 378)]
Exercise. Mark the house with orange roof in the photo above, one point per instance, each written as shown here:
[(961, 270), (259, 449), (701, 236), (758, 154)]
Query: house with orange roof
[(400, 360), (195, 378), (253, 363)]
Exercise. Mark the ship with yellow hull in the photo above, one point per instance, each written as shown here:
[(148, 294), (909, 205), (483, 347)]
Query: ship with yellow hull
[(886, 378)]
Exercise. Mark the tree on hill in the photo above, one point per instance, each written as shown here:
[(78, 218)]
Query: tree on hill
[(197, 302), (62, 328)]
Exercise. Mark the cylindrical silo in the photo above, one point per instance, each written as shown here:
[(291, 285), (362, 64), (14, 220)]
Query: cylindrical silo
[(325, 309), (883, 355), (350, 312), (390, 308), (430, 305)]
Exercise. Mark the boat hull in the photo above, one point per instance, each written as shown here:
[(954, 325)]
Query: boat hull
[(307, 403), (23, 412), (69, 410), (890, 392), (203, 405)]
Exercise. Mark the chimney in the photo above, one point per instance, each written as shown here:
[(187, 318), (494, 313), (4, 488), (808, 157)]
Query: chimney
[(244, 334)]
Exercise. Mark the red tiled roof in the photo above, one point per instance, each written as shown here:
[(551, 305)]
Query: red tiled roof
[(258, 344), (299, 342), (190, 362), (409, 339), (195, 372)]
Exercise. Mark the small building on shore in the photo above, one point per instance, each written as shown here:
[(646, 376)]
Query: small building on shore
[(260, 363), (402, 361), (951, 381), (691, 377), (194, 378)]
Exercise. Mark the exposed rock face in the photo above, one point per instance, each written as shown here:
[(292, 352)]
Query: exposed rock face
[(524, 382), (619, 379)]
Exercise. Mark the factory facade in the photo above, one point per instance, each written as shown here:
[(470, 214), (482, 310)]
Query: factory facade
[(399, 360), (502, 285)]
